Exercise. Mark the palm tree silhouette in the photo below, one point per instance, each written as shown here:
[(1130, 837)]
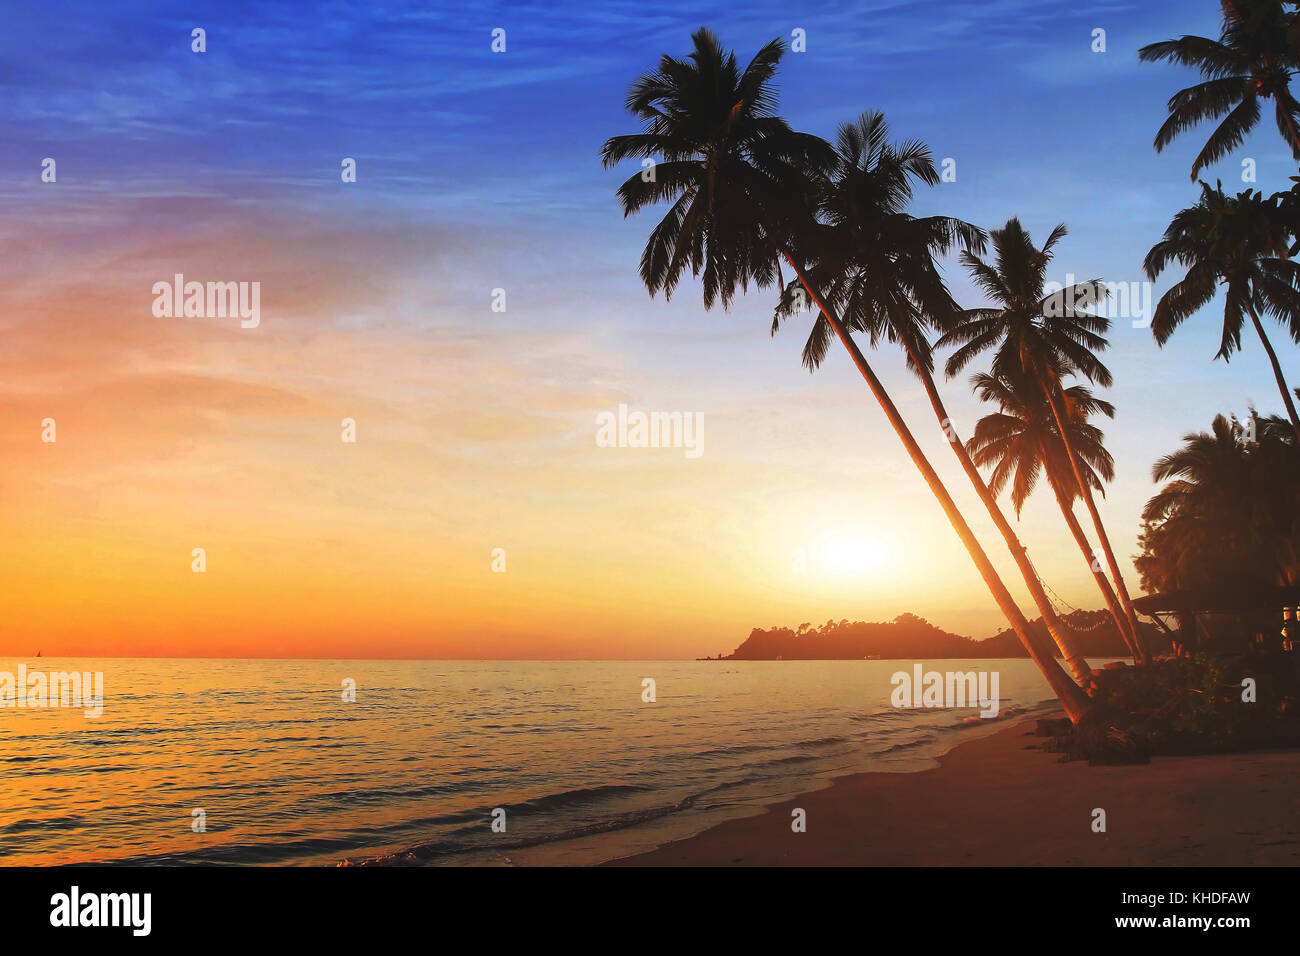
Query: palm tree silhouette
[(1253, 59), (1240, 242), (1020, 442), (1044, 337), (875, 264), (740, 186), (1229, 515)]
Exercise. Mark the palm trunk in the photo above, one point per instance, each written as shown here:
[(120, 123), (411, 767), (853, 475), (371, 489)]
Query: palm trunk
[(1103, 583), (1085, 492), (1072, 697), (1078, 666), (1277, 371)]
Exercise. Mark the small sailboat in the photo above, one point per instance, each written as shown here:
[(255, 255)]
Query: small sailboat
[(38, 653)]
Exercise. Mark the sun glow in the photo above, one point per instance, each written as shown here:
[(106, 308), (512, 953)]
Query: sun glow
[(856, 554)]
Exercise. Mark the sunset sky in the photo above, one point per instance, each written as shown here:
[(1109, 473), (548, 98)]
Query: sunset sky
[(476, 429)]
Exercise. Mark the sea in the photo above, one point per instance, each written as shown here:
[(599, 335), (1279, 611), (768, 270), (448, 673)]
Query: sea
[(314, 762)]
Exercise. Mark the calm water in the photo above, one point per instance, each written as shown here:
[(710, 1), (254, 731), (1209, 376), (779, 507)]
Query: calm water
[(286, 772)]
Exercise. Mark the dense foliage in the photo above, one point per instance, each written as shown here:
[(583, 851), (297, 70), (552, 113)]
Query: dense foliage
[(1229, 515)]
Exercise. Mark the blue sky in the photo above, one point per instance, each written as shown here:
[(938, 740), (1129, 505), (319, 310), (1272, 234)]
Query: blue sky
[(503, 146)]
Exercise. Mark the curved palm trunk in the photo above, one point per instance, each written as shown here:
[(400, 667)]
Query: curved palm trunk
[(1086, 494), (1064, 640), (1103, 583), (1072, 697), (1277, 371)]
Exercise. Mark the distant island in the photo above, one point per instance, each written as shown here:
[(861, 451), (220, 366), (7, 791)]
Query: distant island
[(914, 638)]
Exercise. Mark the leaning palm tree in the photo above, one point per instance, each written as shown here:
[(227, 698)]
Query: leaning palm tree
[(1238, 242), (738, 181), (1044, 337), (1020, 442), (1252, 60), (875, 266)]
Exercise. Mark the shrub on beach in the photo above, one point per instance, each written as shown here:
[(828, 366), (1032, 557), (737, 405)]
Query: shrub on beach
[(1188, 706)]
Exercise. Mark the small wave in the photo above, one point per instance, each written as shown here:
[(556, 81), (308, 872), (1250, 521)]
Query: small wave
[(783, 761), (820, 742), (434, 851), (380, 796), (581, 796), (892, 713), (908, 745), (48, 823), (1005, 713), (730, 750)]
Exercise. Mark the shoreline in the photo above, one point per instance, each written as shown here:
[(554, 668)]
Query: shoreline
[(998, 800)]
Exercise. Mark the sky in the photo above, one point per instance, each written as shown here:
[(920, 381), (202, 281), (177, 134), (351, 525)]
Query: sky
[(476, 428)]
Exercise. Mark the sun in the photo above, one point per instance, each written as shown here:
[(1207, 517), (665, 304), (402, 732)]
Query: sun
[(856, 554)]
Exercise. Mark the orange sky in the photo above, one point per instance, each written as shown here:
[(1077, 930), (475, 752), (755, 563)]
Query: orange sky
[(174, 434)]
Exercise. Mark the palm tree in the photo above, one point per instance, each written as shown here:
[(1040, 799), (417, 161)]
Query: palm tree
[(1238, 242), (1229, 515), (739, 183), (1020, 442), (1044, 337), (875, 265), (1252, 60)]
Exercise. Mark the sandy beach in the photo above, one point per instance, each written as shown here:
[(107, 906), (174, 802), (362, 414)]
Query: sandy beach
[(998, 801)]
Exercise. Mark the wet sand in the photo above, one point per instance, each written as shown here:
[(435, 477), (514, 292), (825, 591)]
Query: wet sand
[(996, 802)]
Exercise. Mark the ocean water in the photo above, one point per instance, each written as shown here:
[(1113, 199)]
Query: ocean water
[(286, 772)]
